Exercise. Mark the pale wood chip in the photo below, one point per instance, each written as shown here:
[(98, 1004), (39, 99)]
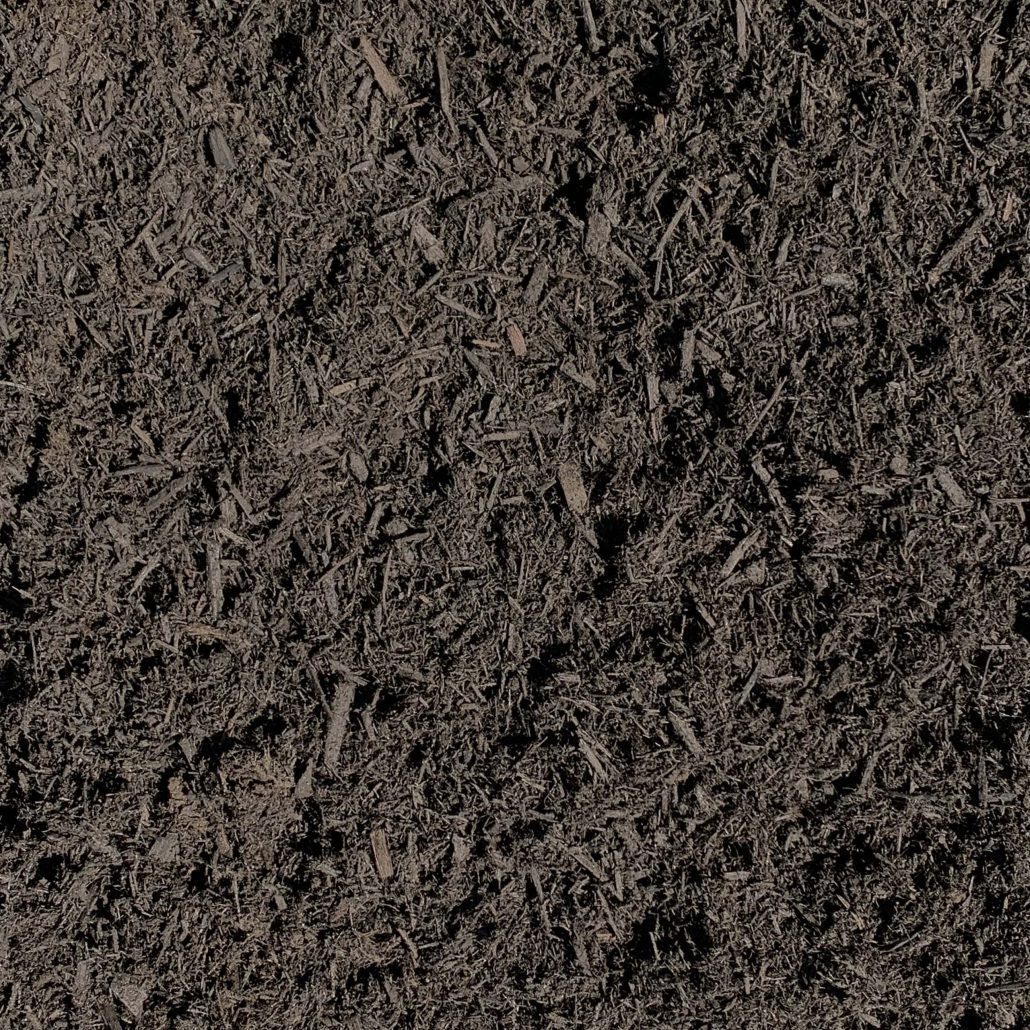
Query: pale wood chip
[(592, 760), (599, 235), (218, 146), (572, 487), (358, 467), (343, 699), (387, 83), (132, 995), (517, 340), (381, 855), (682, 729), (197, 259), (590, 24), (304, 787), (949, 485), (738, 553), (428, 244), (840, 281), (444, 81), (166, 848)]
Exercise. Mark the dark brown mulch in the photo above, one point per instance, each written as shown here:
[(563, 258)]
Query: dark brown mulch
[(514, 515)]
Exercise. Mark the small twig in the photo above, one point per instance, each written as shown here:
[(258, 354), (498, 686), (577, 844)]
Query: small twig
[(795, 369), (18, 386), (1009, 988), (659, 251), (947, 259), (593, 40), (671, 227)]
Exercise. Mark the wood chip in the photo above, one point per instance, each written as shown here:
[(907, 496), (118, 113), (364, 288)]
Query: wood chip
[(110, 1014), (166, 849), (444, 83), (484, 142), (201, 631), (213, 559), (590, 25), (572, 488), (651, 388), (749, 683), (702, 610), (387, 83), (592, 760), (951, 489), (408, 943), (670, 229), (569, 369), (198, 260), (538, 889), (835, 19), (359, 469), (224, 273), (840, 281), (132, 995), (952, 253), (588, 863), (19, 193), (683, 731), (899, 465), (599, 235), (772, 487), (171, 491), (1016, 986), (428, 244), (738, 553), (218, 148), (536, 284), (517, 340), (985, 65), (343, 699), (32, 109), (304, 787), (381, 855), (629, 264)]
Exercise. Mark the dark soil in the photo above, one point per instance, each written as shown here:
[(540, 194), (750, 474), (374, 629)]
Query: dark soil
[(514, 514)]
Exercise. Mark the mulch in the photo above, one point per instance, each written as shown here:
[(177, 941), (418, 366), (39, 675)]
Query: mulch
[(514, 515)]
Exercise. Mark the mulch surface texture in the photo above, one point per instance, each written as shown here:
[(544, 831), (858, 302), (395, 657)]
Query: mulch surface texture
[(514, 514)]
